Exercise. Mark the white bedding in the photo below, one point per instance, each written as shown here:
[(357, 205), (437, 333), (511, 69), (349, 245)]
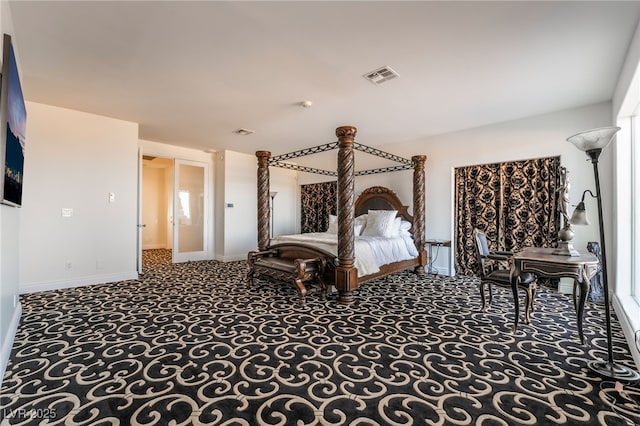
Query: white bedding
[(370, 252)]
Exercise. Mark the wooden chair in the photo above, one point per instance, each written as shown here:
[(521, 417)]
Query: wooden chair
[(495, 269)]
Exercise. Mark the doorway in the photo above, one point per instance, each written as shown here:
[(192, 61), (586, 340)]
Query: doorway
[(157, 211), (174, 211)]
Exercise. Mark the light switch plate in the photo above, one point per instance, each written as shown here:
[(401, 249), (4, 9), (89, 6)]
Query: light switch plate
[(67, 212)]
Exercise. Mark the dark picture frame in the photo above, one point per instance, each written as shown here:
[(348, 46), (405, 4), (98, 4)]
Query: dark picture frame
[(13, 123)]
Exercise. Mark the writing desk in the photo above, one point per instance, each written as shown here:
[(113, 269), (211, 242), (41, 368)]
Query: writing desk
[(543, 263)]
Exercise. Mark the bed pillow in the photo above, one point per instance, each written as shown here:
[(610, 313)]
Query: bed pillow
[(405, 228), (380, 223), (358, 225), (333, 224), (395, 227), (401, 228), (357, 230)]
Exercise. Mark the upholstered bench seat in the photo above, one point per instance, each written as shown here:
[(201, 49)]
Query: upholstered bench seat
[(281, 263), (284, 265)]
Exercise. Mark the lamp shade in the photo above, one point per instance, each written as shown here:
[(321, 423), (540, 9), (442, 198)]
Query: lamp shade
[(579, 216), (594, 138)]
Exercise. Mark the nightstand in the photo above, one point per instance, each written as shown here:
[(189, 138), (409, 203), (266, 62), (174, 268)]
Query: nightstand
[(429, 246)]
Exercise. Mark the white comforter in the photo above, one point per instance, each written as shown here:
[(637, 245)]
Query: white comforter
[(370, 252)]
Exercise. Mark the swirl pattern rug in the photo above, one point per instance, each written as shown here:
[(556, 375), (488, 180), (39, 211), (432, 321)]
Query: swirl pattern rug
[(189, 344)]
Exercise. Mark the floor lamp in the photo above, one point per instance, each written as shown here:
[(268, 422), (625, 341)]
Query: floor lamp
[(272, 194), (592, 142)]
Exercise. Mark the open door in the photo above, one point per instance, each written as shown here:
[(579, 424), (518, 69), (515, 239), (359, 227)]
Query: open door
[(190, 211), (140, 224)]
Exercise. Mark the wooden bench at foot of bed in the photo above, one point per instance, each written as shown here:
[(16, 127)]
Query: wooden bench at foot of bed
[(296, 264)]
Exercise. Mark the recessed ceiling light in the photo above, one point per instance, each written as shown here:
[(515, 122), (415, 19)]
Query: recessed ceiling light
[(243, 132)]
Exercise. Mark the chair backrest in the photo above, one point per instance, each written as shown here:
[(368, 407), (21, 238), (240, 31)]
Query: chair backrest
[(481, 242)]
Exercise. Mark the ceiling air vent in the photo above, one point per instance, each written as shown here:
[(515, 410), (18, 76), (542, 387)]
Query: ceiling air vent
[(381, 75), (243, 132)]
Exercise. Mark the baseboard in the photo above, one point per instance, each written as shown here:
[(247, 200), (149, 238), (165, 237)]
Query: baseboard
[(7, 344), (628, 327), (442, 271), (231, 258), (154, 246), (565, 286), (78, 282), (434, 270)]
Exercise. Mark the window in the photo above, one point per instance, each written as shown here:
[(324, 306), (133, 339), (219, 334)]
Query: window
[(635, 206), (626, 216)]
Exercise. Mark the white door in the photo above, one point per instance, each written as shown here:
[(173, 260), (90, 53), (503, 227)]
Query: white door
[(140, 224), (190, 210)]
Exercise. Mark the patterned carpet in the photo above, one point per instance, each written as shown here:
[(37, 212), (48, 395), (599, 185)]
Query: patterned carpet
[(188, 344)]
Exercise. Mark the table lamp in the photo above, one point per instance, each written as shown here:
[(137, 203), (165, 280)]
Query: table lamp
[(565, 235)]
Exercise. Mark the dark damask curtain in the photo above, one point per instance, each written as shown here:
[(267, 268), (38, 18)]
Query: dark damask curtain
[(318, 201), (514, 203)]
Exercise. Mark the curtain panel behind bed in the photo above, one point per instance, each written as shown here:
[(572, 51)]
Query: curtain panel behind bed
[(318, 201)]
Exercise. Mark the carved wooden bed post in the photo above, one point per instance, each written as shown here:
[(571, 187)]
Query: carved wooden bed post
[(346, 273), (263, 199), (419, 209)]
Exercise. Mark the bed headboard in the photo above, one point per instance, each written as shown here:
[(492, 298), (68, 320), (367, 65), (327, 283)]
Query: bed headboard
[(380, 198)]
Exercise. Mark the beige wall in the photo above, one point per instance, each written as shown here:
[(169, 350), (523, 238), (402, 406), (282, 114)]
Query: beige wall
[(74, 160), (237, 204)]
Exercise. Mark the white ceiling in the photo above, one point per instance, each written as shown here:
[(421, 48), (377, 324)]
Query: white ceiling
[(191, 73)]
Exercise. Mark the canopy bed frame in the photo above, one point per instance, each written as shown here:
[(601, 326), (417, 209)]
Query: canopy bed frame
[(344, 275)]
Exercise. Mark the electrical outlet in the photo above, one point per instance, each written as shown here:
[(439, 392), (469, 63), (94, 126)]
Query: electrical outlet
[(67, 266)]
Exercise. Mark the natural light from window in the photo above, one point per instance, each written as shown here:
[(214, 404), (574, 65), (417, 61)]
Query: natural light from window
[(626, 214), (185, 207), (635, 207)]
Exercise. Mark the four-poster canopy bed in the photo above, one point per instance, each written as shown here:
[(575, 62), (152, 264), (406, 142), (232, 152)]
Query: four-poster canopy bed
[(302, 262)]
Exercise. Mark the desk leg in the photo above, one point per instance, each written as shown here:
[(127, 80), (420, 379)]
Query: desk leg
[(515, 278), (584, 284)]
